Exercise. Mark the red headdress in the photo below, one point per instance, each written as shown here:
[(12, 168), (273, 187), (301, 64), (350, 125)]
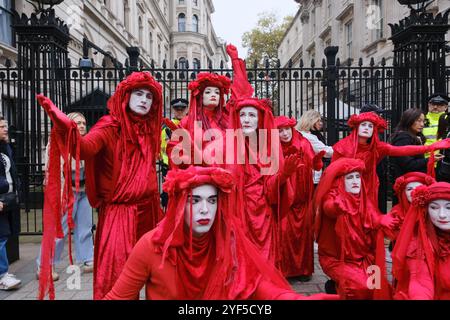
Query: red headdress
[(417, 226), (231, 264), (402, 182), (285, 122), (196, 110)]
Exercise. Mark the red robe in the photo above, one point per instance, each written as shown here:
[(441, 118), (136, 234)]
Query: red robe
[(346, 230), (220, 264), (296, 253), (421, 256), (120, 155)]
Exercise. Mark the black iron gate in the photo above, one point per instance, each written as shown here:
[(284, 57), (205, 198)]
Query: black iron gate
[(336, 89)]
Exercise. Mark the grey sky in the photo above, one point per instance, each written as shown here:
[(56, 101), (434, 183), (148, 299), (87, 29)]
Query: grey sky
[(233, 18)]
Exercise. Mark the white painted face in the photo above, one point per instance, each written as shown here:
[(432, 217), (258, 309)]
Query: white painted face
[(249, 119), (211, 97), (285, 134), (353, 182), (439, 211), (204, 209), (365, 129), (409, 188), (141, 101)]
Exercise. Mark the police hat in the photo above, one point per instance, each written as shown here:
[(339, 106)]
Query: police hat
[(179, 103), (439, 98), (371, 107)]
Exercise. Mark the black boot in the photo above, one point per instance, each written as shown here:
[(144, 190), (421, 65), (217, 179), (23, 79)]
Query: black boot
[(330, 287)]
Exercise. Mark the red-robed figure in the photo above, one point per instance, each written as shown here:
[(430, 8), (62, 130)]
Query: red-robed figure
[(207, 112), (363, 143), (403, 188), (296, 247), (120, 154), (199, 250), (346, 227), (258, 179), (421, 256)]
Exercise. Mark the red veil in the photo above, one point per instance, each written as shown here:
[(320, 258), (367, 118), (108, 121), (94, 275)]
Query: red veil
[(417, 228), (229, 265), (349, 147)]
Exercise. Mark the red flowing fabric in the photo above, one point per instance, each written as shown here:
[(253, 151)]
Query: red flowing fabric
[(259, 194), (222, 264), (216, 118), (401, 209), (422, 252), (120, 154), (346, 227), (56, 203), (297, 234), (372, 153)]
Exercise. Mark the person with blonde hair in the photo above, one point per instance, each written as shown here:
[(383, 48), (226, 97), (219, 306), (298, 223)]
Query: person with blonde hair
[(310, 126), (82, 214)]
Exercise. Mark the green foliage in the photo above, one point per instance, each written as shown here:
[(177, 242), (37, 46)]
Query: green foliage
[(263, 40)]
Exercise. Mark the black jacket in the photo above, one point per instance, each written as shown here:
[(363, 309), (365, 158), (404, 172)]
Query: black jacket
[(9, 217), (403, 165)]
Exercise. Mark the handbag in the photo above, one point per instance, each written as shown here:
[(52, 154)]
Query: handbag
[(444, 169)]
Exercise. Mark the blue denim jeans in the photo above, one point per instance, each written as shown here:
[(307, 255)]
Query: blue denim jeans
[(82, 233), (3, 256)]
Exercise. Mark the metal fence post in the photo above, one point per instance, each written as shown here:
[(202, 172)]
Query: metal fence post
[(330, 82)]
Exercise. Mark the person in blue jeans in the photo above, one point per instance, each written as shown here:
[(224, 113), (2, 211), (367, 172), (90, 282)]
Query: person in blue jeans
[(9, 185), (82, 217)]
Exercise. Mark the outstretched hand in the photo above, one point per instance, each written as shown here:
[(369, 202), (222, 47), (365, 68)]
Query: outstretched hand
[(317, 161), (291, 164), (443, 144), (59, 119), (232, 51), (46, 103), (389, 222)]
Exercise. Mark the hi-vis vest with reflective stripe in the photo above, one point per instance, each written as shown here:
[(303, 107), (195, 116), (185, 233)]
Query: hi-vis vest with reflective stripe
[(430, 132)]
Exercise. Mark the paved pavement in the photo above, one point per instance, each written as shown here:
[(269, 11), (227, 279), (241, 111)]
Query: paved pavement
[(68, 288)]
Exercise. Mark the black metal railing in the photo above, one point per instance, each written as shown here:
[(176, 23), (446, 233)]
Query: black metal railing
[(336, 90)]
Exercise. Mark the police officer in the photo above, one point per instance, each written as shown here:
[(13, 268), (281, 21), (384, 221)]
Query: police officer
[(437, 106), (179, 111)]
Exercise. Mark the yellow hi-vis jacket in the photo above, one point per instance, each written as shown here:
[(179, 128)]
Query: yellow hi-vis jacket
[(430, 131), (164, 140)]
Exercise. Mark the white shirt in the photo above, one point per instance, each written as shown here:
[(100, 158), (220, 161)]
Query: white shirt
[(7, 164), (317, 146)]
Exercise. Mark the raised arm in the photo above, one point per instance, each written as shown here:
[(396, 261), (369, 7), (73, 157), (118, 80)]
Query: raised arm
[(240, 87), (90, 144)]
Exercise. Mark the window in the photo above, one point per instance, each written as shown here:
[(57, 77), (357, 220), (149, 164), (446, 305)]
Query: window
[(377, 19), (141, 31), (195, 2), (182, 63), (5, 23), (313, 21), (159, 54), (181, 22), (150, 41), (194, 23), (181, 2), (126, 15), (349, 38), (196, 64), (328, 8)]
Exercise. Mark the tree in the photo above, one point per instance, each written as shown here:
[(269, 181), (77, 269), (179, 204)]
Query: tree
[(263, 40)]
